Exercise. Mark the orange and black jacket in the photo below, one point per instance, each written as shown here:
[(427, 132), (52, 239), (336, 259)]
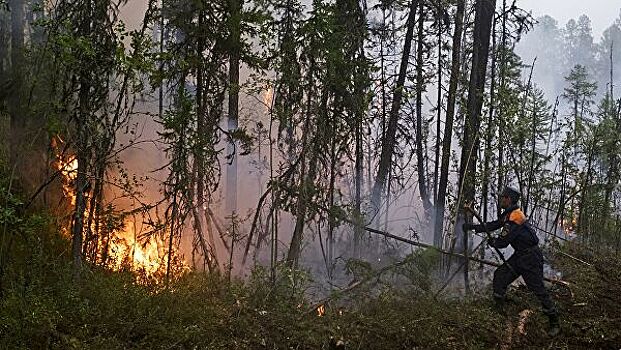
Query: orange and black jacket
[(515, 230)]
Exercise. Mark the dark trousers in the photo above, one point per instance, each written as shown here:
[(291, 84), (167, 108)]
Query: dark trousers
[(529, 265)]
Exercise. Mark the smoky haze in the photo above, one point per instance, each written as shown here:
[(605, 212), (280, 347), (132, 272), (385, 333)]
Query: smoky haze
[(406, 208), (601, 12), (565, 35)]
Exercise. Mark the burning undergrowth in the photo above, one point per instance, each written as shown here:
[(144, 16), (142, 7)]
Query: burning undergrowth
[(116, 239)]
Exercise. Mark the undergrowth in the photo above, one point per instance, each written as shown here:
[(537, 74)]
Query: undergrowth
[(42, 307)]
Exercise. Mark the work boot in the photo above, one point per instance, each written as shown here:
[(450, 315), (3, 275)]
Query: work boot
[(499, 305), (555, 327)]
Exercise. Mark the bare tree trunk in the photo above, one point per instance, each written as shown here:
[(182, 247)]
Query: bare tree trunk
[(199, 211), (503, 79), (295, 247), (331, 189), (171, 237), (484, 14), (234, 59), (16, 8), (613, 173), (358, 102), (448, 125), (561, 203), (82, 183), (531, 171), (586, 184), (420, 84), (438, 106), (4, 52), (389, 139), (490, 129), (81, 186)]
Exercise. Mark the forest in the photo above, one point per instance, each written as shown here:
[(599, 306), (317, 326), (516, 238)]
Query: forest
[(307, 174)]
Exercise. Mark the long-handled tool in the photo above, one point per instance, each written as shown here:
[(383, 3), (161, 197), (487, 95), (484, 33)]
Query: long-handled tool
[(469, 207)]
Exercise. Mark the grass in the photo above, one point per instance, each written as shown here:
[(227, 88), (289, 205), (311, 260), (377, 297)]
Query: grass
[(43, 308)]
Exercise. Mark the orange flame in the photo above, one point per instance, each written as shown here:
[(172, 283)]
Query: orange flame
[(124, 248), (321, 310)]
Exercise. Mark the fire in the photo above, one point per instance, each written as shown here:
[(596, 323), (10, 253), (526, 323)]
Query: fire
[(568, 226), (125, 248), (321, 310), (69, 170), (268, 96)]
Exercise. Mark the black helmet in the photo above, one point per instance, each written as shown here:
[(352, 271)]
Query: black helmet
[(511, 193)]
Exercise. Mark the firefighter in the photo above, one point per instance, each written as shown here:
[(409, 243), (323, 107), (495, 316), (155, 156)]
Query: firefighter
[(527, 259)]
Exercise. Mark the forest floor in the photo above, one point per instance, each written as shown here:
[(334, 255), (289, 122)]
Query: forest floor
[(42, 307)]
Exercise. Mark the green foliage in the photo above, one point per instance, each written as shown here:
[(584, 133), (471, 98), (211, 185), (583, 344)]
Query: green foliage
[(41, 307), (420, 268)]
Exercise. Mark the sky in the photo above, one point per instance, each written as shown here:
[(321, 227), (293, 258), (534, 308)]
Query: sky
[(601, 12)]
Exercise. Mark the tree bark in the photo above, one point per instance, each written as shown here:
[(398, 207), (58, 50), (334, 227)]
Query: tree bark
[(438, 144), (420, 85), (490, 128), (482, 28), (389, 139), (17, 47), (448, 125), (503, 80), (82, 152), (295, 247), (233, 105)]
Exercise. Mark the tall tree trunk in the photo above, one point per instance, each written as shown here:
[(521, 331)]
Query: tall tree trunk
[(482, 28), (16, 8), (490, 129), (359, 161), (305, 196), (438, 105), (561, 203), (585, 187), (295, 247), (37, 13), (4, 51), (198, 193), (82, 153), (234, 59), (503, 81), (531, 171), (81, 182), (612, 177), (389, 137), (15, 101), (448, 125), (420, 85)]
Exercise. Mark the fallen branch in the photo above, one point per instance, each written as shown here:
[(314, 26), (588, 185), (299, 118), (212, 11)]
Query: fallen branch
[(441, 251), (429, 246)]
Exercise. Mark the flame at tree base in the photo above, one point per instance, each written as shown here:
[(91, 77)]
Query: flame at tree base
[(124, 249)]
